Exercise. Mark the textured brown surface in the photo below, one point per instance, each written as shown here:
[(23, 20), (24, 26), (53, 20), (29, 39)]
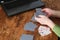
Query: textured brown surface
[(11, 28)]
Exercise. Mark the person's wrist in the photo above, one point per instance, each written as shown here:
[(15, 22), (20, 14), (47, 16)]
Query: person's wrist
[(51, 25), (53, 12)]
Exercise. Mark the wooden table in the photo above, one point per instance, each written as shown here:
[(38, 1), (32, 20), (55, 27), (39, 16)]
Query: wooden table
[(11, 28)]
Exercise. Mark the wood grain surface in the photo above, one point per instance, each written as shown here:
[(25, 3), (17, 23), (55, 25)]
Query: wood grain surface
[(11, 28)]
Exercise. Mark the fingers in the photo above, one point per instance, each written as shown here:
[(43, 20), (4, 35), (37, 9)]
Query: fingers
[(41, 16), (37, 18), (47, 11), (43, 9)]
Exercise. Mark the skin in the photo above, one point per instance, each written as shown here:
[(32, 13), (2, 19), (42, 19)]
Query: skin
[(51, 12), (56, 14), (44, 20)]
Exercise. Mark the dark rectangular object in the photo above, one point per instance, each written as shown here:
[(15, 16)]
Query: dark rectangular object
[(17, 6)]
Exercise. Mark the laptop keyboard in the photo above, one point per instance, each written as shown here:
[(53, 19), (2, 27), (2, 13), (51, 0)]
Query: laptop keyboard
[(17, 0), (17, 3), (13, 7), (6, 0)]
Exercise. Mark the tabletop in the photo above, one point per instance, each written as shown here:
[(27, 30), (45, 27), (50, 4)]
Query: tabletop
[(11, 28)]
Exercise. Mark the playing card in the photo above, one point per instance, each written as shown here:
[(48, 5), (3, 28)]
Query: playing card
[(38, 12), (43, 30), (26, 37), (30, 26)]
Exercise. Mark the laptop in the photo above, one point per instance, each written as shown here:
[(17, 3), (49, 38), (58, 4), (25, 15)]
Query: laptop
[(13, 7)]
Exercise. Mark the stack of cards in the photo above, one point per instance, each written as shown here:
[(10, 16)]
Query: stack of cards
[(43, 30)]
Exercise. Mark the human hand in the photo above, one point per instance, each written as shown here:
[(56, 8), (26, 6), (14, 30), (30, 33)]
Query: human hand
[(48, 11), (44, 20)]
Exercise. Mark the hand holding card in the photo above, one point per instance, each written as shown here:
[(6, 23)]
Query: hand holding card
[(38, 12)]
